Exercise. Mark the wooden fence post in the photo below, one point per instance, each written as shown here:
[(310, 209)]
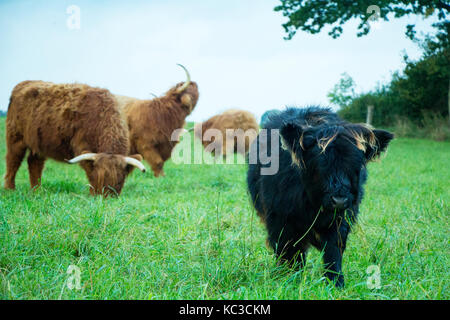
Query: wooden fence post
[(369, 115), (449, 100)]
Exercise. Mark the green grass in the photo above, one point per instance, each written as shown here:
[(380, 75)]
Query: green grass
[(194, 235)]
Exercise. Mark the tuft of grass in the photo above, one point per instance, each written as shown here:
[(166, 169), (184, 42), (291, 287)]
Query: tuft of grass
[(194, 235), (432, 126)]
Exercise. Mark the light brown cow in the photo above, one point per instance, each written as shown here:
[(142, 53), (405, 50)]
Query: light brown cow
[(234, 125), (152, 122), (68, 121)]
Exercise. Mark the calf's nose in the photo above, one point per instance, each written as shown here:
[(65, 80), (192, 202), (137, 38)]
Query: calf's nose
[(339, 202)]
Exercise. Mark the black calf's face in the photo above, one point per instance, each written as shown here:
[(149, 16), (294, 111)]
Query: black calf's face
[(331, 175), (333, 159)]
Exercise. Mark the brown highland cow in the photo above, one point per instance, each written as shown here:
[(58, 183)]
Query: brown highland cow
[(152, 122), (68, 121), (235, 126)]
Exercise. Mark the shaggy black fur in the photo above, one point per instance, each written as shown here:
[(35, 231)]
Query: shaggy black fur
[(315, 196)]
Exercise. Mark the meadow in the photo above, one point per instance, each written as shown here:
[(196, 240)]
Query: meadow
[(194, 235)]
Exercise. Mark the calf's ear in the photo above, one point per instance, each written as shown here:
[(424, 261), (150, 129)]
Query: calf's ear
[(382, 139), (290, 137)]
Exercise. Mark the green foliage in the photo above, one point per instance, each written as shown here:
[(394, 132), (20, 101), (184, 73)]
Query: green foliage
[(312, 15), (343, 92), (416, 95), (356, 111), (432, 126), (194, 235), (423, 88)]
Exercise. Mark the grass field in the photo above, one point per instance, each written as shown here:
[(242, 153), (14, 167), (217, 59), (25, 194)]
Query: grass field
[(194, 235)]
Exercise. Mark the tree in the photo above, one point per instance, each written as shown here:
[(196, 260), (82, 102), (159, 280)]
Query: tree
[(417, 93), (343, 92), (312, 15), (440, 45), (380, 99)]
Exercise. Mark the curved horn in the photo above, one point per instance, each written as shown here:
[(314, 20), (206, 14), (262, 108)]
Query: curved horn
[(135, 163), (188, 80), (82, 157)]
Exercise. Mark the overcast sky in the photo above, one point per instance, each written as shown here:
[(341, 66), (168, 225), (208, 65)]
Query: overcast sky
[(234, 49)]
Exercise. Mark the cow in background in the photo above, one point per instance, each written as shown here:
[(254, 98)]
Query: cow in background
[(68, 121), (152, 122), (235, 126)]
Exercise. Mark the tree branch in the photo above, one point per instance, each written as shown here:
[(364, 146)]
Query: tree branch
[(442, 5)]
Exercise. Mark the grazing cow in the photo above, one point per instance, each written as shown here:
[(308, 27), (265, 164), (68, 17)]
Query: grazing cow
[(314, 197), (68, 121), (234, 126), (152, 122)]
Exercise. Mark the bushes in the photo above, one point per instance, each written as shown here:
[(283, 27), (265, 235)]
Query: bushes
[(422, 89), (415, 102), (383, 115), (432, 126)]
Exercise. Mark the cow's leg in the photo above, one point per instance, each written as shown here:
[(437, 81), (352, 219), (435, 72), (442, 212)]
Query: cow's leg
[(14, 156), (333, 246), (35, 167), (295, 256), (286, 245), (153, 157)]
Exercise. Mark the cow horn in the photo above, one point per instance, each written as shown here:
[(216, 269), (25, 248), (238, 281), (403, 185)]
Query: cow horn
[(135, 163), (188, 81), (82, 157)]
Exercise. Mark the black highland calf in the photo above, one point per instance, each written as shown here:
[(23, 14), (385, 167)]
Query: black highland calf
[(314, 197)]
